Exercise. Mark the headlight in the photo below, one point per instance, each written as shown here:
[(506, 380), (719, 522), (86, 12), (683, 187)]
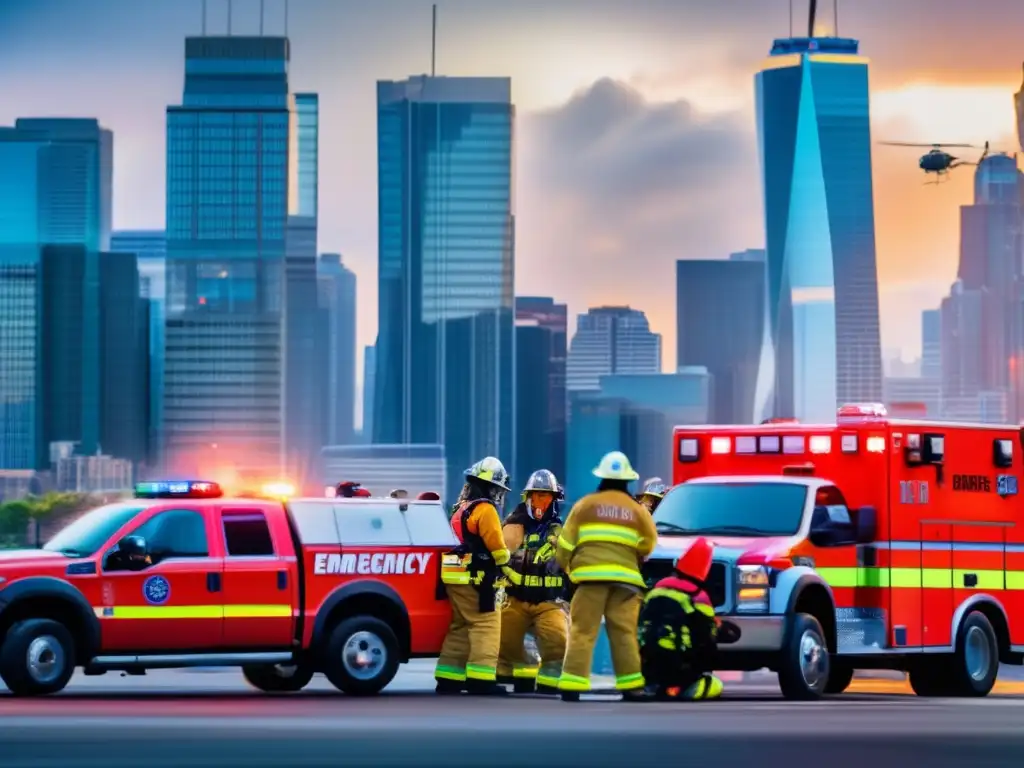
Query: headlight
[(752, 589)]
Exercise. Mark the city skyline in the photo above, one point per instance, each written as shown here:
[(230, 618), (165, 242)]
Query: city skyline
[(911, 87)]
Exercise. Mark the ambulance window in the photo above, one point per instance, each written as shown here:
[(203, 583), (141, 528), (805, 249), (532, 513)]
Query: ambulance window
[(428, 525), (247, 534), (174, 533), (369, 524)]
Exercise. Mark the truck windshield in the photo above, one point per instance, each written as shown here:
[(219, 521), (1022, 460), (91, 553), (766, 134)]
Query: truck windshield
[(87, 534), (732, 509)]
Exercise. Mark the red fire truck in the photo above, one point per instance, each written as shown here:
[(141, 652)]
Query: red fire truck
[(183, 577), (871, 543)]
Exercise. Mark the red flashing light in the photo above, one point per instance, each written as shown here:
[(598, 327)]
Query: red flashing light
[(862, 411)]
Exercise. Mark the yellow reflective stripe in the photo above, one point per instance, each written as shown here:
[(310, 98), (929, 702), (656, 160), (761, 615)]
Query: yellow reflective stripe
[(607, 533), (564, 544), (615, 573), (527, 672), (671, 594), (447, 672), (512, 575), (257, 611), (704, 608), (481, 672), (918, 578), (551, 681), (630, 682), (194, 611), (573, 683), (542, 581)]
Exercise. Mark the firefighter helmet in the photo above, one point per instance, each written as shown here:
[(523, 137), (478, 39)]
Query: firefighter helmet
[(655, 487), (542, 480), (615, 466), (491, 471), (695, 562), (428, 496), (352, 490)]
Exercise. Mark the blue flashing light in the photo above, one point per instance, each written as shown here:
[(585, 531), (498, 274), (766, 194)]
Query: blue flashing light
[(178, 489)]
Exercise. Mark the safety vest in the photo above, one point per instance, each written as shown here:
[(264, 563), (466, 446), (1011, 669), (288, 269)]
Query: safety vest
[(671, 620), (470, 562), (535, 560)]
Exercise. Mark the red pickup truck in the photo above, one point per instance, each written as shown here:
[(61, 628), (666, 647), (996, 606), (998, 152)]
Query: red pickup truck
[(182, 576)]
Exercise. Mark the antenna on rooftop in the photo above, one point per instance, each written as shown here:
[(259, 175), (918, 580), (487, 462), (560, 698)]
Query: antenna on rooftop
[(433, 40), (791, 18), (813, 11)]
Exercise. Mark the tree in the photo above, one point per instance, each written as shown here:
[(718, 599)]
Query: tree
[(14, 519)]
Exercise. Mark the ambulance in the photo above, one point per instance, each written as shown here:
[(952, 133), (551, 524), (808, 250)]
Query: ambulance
[(871, 543)]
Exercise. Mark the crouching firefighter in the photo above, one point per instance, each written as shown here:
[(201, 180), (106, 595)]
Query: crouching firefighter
[(469, 655), (679, 631), (534, 604)]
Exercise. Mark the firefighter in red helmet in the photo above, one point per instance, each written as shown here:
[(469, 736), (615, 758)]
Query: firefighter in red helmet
[(428, 496), (679, 630)]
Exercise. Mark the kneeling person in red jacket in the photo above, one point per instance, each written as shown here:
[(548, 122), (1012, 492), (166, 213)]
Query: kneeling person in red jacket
[(679, 630)]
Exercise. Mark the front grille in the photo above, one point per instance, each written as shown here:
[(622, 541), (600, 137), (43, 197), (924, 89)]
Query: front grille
[(656, 569)]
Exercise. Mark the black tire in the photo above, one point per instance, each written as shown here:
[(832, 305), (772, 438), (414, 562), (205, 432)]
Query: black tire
[(278, 678), (976, 660), (361, 635), (930, 678), (804, 660), (50, 645), (840, 675)]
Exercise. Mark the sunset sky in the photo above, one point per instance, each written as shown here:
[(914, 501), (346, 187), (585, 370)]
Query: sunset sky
[(636, 134)]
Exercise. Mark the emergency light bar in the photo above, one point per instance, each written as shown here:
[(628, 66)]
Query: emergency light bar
[(178, 489)]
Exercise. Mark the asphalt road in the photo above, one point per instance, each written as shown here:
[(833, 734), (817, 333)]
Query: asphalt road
[(170, 719)]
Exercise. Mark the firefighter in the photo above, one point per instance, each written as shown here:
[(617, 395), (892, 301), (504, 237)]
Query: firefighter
[(531, 533), (652, 494), (679, 629), (605, 538), (469, 656)]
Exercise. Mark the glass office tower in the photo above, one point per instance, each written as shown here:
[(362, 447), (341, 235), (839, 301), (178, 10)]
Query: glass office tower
[(228, 190), (822, 344), (444, 366)]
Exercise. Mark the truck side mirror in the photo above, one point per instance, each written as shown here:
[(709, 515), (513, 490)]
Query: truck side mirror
[(826, 532), (133, 551), (867, 525)]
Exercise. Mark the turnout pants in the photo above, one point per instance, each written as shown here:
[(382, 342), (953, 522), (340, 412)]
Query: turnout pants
[(470, 650), (670, 676), (619, 605), (548, 623)]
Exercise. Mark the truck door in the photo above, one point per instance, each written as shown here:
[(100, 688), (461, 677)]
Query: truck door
[(259, 593), (979, 559), (173, 603), (936, 583)]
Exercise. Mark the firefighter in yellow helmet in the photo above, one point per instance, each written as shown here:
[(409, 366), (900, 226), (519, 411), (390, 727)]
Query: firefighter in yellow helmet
[(469, 656), (531, 533), (605, 539), (652, 494)]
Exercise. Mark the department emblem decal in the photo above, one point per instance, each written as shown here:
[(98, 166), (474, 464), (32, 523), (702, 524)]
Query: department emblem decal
[(156, 590)]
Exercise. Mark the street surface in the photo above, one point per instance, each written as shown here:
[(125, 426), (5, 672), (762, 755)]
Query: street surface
[(211, 718)]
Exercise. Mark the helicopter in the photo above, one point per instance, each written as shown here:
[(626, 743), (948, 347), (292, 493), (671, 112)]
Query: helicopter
[(938, 160)]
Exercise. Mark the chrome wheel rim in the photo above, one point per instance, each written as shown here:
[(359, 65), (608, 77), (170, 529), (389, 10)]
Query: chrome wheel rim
[(45, 659), (977, 653), (813, 660), (364, 655)]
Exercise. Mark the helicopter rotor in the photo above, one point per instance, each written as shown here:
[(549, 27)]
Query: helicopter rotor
[(929, 146)]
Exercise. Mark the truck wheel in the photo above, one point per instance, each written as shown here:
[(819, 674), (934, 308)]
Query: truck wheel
[(840, 675), (929, 678), (804, 663), (278, 678), (361, 657), (976, 661), (37, 657)]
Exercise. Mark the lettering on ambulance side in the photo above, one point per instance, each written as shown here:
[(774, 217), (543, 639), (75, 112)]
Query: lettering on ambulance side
[(972, 483), (376, 563)]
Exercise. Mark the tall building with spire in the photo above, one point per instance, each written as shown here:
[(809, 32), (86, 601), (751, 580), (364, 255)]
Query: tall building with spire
[(822, 343)]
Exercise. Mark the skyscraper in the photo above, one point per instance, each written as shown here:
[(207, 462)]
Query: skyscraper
[(823, 345), (720, 325), (445, 353), (55, 190), (540, 386), (610, 340), (150, 249), (228, 188), (338, 298)]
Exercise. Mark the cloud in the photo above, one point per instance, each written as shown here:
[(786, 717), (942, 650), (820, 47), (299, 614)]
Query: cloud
[(615, 188)]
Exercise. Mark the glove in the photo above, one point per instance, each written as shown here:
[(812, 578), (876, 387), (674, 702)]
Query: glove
[(544, 554)]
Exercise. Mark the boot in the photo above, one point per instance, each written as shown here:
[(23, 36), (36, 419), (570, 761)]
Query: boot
[(637, 695), (524, 685), (547, 690), (570, 696), (485, 688), (449, 687)]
